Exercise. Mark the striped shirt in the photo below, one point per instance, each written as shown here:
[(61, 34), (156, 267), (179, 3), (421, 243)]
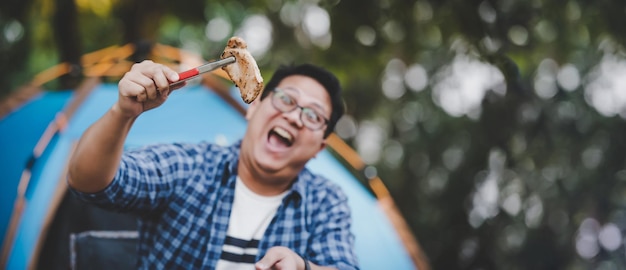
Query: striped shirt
[(183, 195), (249, 218)]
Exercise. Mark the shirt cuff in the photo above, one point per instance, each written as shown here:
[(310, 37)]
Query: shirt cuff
[(104, 196)]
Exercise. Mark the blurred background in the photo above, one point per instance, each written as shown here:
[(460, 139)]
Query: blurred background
[(498, 126)]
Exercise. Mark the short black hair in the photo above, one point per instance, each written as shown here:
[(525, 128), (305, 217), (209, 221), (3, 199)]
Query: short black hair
[(328, 80)]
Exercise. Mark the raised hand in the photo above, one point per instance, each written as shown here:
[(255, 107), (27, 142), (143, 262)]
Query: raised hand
[(144, 87)]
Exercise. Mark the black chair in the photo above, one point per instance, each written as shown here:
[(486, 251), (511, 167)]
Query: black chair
[(103, 250), (82, 236)]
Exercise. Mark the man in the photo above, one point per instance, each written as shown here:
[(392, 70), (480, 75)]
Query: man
[(203, 206)]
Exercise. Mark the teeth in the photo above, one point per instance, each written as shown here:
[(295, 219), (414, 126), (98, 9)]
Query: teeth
[(283, 133)]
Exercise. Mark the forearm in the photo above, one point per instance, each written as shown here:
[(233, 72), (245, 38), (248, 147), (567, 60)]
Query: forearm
[(96, 158), (99, 151)]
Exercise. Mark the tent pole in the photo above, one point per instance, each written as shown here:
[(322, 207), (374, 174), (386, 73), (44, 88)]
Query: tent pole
[(57, 125)]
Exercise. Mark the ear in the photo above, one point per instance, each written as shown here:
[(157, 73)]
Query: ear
[(252, 108), (322, 146)]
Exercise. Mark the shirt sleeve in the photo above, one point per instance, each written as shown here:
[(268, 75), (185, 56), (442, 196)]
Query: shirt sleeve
[(332, 240), (148, 178)]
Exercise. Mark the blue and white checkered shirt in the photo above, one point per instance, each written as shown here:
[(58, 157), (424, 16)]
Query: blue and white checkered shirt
[(183, 194)]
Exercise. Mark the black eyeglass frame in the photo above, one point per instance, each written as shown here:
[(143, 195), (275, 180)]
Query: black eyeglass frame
[(297, 106)]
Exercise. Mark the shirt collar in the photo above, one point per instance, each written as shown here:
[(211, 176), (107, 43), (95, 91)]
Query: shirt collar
[(297, 190)]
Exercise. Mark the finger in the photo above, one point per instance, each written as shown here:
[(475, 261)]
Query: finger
[(154, 71), (138, 78), (147, 86), (171, 88), (150, 88), (172, 76), (177, 86), (143, 96), (153, 68), (148, 80), (269, 260), (161, 82), (128, 88), (152, 91), (158, 74), (172, 80)]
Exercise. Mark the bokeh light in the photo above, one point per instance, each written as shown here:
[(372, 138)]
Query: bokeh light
[(13, 31), (545, 79), (436, 181), (346, 127), (101, 8), (568, 77), (316, 22), (487, 12), (518, 35), (369, 141), (218, 29), (316, 25), (460, 86), (587, 238), (256, 30), (393, 79), (486, 196), (546, 31), (393, 31), (365, 35), (393, 154), (534, 211), (416, 77), (512, 238), (605, 88), (468, 250), (422, 11), (610, 237), (291, 14)]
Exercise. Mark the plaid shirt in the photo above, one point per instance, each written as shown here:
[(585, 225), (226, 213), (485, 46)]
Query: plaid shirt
[(183, 194)]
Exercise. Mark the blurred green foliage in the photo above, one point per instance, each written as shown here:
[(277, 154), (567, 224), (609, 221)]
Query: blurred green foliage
[(498, 126)]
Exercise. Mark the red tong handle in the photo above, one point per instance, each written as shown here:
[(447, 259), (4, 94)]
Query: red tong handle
[(188, 74)]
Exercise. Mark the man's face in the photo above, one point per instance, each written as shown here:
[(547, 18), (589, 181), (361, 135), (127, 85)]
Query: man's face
[(278, 144)]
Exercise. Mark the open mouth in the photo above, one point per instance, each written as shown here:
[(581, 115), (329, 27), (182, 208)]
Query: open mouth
[(280, 137)]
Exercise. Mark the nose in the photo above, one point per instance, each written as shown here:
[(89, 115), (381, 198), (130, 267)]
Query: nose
[(294, 117)]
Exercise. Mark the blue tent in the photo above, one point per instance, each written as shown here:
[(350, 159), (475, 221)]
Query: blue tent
[(45, 222)]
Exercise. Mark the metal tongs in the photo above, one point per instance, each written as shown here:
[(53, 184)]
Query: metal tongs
[(195, 72)]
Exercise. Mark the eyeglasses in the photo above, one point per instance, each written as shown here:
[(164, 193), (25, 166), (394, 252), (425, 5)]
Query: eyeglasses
[(286, 103)]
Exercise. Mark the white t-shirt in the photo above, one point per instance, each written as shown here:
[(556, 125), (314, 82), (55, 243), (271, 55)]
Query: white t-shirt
[(249, 218)]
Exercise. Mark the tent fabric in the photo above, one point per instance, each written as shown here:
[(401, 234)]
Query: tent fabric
[(19, 132), (191, 114)]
